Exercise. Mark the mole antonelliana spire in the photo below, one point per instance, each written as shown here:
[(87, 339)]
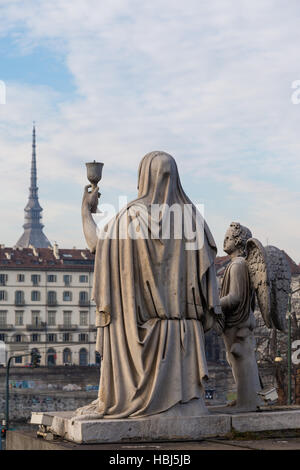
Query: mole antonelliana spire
[(33, 228)]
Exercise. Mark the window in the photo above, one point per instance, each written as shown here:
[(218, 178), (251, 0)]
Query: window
[(3, 337), (19, 318), (3, 317), (35, 279), (83, 356), (35, 296), (51, 318), (83, 337), (83, 318), (52, 298), (67, 356), (3, 295), (18, 338), (35, 318), (20, 277), (51, 357), (97, 358), (19, 297), (67, 337), (83, 298), (83, 278), (35, 338), (51, 278), (67, 279), (51, 338), (3, 279), (67, 318), (18, 360), (67, 296)]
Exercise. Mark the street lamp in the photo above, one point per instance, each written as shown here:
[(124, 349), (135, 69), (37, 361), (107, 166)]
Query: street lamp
[(290, 346), (278, 358)]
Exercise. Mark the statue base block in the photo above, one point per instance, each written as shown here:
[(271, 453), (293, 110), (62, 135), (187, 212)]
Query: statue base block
[(154, 428), (266, 421), (147, 429)]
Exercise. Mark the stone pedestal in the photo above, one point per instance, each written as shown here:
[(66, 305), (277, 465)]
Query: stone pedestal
[(154, 429), (134, 430)]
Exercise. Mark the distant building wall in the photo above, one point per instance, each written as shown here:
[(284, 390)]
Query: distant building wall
[(23, 403), (42, 389), (45, 304)]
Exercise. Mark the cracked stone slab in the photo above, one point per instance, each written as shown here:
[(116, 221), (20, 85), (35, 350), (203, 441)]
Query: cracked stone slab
[(269, 421), (140, 429)]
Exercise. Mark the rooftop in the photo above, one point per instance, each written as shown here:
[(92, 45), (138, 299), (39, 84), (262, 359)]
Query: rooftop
[(222, 261), (46, 258), (76, 259)]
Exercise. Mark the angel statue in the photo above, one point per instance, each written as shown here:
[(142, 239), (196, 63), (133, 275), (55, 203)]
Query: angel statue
[(255, 272)]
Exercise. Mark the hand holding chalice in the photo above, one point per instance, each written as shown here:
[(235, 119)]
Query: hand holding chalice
[(94, 175)]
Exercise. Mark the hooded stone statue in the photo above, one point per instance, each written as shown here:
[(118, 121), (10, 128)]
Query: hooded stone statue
[(156, 295)]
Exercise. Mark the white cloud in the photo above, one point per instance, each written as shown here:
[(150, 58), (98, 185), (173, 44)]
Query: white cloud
[(208, 82)]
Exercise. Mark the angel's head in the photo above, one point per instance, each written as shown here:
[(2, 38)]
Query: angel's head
[(235, 239)]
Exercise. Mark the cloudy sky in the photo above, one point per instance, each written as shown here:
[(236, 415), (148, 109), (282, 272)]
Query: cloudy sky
[(110, 80)]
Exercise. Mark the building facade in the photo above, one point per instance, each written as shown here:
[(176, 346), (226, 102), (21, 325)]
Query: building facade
[(45, 305)]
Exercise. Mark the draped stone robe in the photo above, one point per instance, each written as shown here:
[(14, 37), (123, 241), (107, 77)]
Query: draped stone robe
[(238, 303), (155, 299), (237, 296)]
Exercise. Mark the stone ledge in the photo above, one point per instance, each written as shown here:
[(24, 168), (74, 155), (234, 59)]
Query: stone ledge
[(155, 429), (268, 421), (139, 430)]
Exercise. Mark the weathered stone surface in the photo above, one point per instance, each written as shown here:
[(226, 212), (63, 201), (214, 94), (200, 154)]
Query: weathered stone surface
[(41, 418), (269, 421), (141, 429), (153, 429)]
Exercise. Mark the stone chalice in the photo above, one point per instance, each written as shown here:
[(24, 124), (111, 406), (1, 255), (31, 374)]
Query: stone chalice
[(94, 175)]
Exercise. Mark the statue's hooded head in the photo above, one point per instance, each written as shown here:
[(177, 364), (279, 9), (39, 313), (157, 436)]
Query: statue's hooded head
[(158, 179), (159, 187), (236, 238)]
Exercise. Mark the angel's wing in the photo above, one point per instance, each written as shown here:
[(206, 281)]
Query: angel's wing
[(280, 284), (258, 270), (270, 278)]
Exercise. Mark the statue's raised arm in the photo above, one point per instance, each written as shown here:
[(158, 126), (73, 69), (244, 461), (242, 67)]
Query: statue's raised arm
[(89, 202)]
